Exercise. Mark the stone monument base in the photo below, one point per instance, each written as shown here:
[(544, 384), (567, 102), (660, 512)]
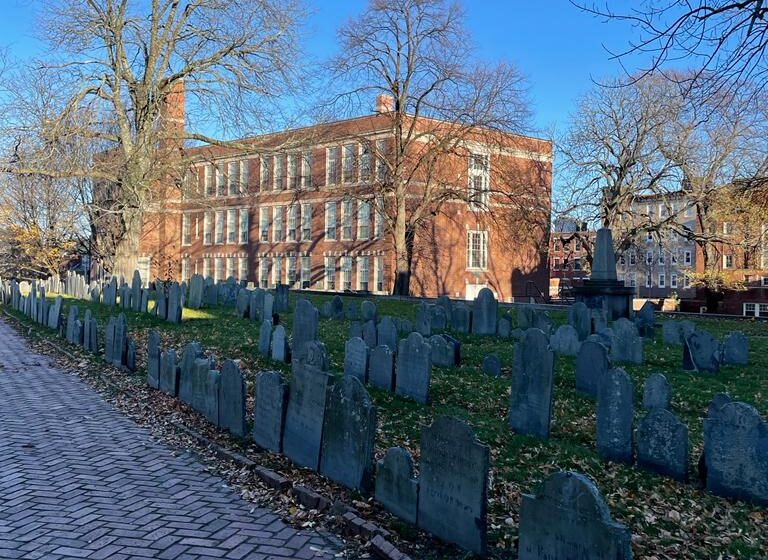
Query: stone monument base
[(611, 295)]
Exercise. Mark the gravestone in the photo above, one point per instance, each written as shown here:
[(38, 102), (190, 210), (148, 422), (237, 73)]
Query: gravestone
[(565, 341), (144, 304), (443, 353), (369, 334), (356, 358), (353, 312), (414, 368), (211, 406), (437, 318), (281, 298), (645, 320), (492, 365), (614, 417), (717, 402), (280, 351), (153, 359), (268, 307), (397, 488), (735, 349), (174, 303), (656, 392), (305, 320), (265, 337), (381, 367), (526, 317), (120, 348), (701, 352), (348, 435), (211, 292), (455, 346), (543, 322), (423, 319), (232, 399), (626, 343), (530, 405), (368, 311), (109, 340), (504, 328), (243, 304), (662, 444), (453, 487), (592, 364), (313, 354), (461, 318), (93, 329), (136, 291), (387, 333), (305, 414), (196, 286), (337, 307), (355, 329), (568, 519), (169, 373), (256, 306), (191, 353), (199, 385), (736, 453), (675, 332), (484, 313), (54, 313), (580, 318), (71, 323), (161, 303), (445, 302), (599, 319), (269, 405)]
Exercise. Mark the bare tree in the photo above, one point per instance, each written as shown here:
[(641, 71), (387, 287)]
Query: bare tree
[(443, 101), (123, 63)]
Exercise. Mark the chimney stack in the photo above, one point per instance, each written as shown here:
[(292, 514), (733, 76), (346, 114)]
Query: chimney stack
[(385, 103)]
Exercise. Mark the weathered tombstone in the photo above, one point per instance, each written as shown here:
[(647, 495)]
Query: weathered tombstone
[(109, 340), (484, 313), (120, 347), (191, 353), (645, 320), (614, 417), (717, 402), (423, 319), (356, 358), (348, 435), (280, 351), (337, 307), (592, 363), (397, 488), (381, 367), (386, 333), (701, 352), (78, 332), (453, 486), (455, 346), (504, 328), (232, 399), (656, 392), (198, 385), (580, 318), (526, 317), (445, 302), (256, 306), (355, 329), (161, 303), (174, 303), (368, 311), (543, 322), (443, 354), (243, 304), (153, 359), (136, 291), (196, 286), (735, 349), (269, 404), (492, 365), (304, 418), (265, 337), (353, 312), (93, 338), (281, 298), (54, 313), (437, 318), (530, 405), (369, 334), (313, 354), (461, 318), (599, 319), (565, 341), (675, 332), (736, 453), (568, 519), (268, 308), (626, 343), (211, 406), (71, 323), (169, 373), (414, 368), (662, 444), (305, 320)]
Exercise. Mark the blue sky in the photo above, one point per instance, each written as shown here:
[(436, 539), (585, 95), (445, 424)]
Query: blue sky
[(560, 48)]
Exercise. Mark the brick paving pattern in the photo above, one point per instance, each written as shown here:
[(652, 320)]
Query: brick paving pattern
[(80, 480)]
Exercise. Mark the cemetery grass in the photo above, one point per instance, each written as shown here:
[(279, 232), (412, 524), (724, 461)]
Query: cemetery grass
[(667, 518)]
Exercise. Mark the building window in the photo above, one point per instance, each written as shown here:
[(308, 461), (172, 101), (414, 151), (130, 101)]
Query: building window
[(649, 236), (632, 280), (727, 228), (264, 272), (363, 219), (379, 225), (277, 270), (184, 269), (306, 170), (306, 272), (346, 273), (277, 224), (687, 257), (266, 173), (232, 226), (233, 175), (218, 269), (332, 165), (478, 180), (764, 281), (243, 269), (291, 265), (219, 227), (673, 280), (577, 263), (209, 186), (244, 226), (264, 224), (346, 217), (221, 185), (365, 162), (279, 172), (673, 257), (293, 176), (632, 258), (477, 250), (306, 221), (727, 261), (206, 267), (686, 281), (622, 260), (379, 274), (662, 280), (756, 309), (556, 263), (293, 210), (243, 176), (649, 257), (186, 230), (661, 257), (382, 167), (362, 274), (230, 267), (330, 273), (648, 280), (348, 164), (330, 221)]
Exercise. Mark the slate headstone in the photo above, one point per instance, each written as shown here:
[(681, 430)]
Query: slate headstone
[(423, 319), (265, 337), (211, 407), (397, 488), (656, 392), (269, 407), (580, 318), (281, 298), (387, 333), (381, 367), (675, 332), (614, 417), (735, 349), (438, 319), (484, 313), (701, 352), (592, 364), (356, 358), (169, 373), (280, 352), (461, 318), (153, 359), (368, 311), (492, 365), (414, 368), (369, 334), (443, 354), (174, 303), (662, 444), (305, 415), (305, 321), (626, 343), (645, 320), (565, 341), (530, 405), (232, 399), (243, 304), (504, 328), (191, 353)]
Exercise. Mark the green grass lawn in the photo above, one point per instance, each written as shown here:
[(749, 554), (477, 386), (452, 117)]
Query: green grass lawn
[(668, 519)]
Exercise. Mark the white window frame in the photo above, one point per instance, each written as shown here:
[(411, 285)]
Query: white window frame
[(332, 165), (381, 163), (346, 273), (292, 222), (673, 280), (347, 220), (210, 188), (244, 226), (184, 269), (662, 280), (277, 224), (649, 257), (218, 269), (242, 268), (363, 273), (243, 177), (306, 272), (230, 264), (306, 221), (266, 173), (378, 231), (218, 228), (348, 157), (186, 230), (264, 272), (264, 224), (232, 232), (727, 262), (233, 178), (379, 264), (306, 169), (279, 181), (292, 168), (330, 221), (221, 184), (329, 274), (290, 271), (648, 280), (479, 180), (207, 231), (363, 220), (206, 267), (477, 242), (277, 270), (687, 257), (365, 162)]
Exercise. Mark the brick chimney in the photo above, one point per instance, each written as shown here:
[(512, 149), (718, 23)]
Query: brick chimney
[(172, 115), (385, 103)]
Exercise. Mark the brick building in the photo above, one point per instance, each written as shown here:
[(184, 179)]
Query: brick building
[(300, 207)]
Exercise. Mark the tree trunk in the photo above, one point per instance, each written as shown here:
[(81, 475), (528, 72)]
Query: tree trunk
[(404, 237), (127, 248)]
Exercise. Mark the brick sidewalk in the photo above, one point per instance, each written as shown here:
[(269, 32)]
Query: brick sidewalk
[(80, 480)]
